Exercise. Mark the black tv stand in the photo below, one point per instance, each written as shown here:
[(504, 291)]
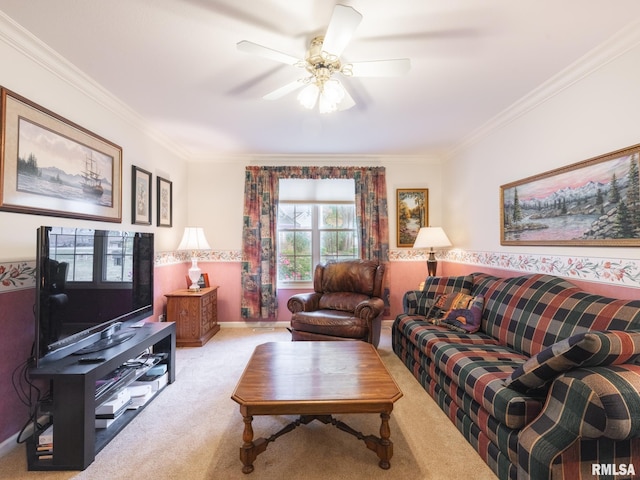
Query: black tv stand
[(73, 388)]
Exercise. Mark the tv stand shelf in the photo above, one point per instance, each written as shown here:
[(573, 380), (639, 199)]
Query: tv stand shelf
[(76, 440)]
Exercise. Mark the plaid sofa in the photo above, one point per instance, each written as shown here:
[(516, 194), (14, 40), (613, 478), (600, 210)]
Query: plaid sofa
[(547, 388)]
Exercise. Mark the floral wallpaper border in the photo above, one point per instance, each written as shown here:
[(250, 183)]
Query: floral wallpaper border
[(19, 275), (624, 272)]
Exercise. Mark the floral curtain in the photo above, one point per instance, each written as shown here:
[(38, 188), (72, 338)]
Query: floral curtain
[(259, 292)]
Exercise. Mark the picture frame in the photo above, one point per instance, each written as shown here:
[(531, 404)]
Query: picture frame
[(140, 196), (203, 282), (595, 202), (53, 166), (164, 202), (412, 213)]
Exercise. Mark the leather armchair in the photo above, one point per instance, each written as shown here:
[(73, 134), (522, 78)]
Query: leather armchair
[(346, 303)]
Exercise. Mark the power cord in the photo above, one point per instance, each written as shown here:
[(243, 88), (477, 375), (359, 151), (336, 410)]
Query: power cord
[(30, 396)]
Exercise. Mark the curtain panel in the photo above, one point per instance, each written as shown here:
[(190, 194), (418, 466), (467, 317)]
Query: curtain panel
[(259, 256)]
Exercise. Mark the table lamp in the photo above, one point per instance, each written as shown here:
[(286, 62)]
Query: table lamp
[(194, 240), (431, 237)]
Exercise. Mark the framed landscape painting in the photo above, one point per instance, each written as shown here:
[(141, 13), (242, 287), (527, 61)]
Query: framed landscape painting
[(594, 202), (51, 166), (412, 205)]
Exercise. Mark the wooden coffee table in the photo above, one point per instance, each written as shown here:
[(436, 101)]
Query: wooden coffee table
[(315, 380)]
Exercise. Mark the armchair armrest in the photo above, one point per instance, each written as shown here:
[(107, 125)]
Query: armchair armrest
[(304, 302), (369, 309), (586, 403)]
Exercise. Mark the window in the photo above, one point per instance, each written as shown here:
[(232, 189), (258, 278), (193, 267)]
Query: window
[(93, 258), (316, 223)]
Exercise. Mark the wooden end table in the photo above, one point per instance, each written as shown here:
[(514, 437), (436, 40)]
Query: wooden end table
[(315, 380)]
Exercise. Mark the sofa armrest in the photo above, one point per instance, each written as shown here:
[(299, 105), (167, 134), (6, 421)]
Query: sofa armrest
[(369, 309), (417, 302), (594, 402), (304, 302)]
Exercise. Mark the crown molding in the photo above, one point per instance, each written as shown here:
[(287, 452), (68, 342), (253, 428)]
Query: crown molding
[(616, 46), (27, 44)]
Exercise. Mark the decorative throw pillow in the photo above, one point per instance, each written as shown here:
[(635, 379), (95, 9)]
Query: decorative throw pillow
[(445, 303), (466, 320), (587, 349)]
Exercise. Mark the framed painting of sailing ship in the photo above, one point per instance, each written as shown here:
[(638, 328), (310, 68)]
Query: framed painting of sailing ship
[(52, 166), (140, 196), (593, 202), (164, 189)]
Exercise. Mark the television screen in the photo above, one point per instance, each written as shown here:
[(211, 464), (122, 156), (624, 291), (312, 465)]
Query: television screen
[(89, 282)]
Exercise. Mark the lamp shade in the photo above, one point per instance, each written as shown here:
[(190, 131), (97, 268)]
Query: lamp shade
[(431, 237), (193, 239)]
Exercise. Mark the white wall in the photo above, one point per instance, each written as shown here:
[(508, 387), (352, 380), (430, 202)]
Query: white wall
[(33, 71), (216, 193), (594, 114)]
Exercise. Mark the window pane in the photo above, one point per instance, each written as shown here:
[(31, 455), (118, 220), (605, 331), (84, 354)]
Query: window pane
[(328, 243), (337, 216), (286, 216), (294, 269), (303, 243), (347, 244), (285, 243), (303, 216)]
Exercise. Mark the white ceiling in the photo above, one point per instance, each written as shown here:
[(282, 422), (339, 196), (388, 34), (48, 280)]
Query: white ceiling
[(176, 64)]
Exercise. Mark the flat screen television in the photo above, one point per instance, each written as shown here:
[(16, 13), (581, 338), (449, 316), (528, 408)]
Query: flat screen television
[(92, 286)]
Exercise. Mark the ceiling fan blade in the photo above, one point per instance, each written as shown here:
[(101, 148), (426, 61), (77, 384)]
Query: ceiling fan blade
[(266, 52), (284, 90), (381, 68), (347, 102), (343, 24)]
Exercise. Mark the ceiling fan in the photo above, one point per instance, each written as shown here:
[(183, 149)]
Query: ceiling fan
[(322, 64)]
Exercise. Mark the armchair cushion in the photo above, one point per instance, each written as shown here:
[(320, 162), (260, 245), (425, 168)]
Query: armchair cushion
[(345, 301), (587, 349)]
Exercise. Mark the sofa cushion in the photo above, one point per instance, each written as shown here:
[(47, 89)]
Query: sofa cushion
[(480, 370), (531, 312), (466, 319), (588, 349), (443, 304)]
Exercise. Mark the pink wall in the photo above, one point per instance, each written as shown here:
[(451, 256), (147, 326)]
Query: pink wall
[(16, 313), (16, 341)]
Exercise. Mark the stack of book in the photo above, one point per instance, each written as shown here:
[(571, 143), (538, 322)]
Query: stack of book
[(109, 411), (44, 450)]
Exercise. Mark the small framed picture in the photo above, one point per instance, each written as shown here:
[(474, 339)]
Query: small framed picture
[(164, 192), (203, 282), (140, 196)]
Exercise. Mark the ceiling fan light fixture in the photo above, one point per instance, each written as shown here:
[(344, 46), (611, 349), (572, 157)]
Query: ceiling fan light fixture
[(333, 91), (308, 96)]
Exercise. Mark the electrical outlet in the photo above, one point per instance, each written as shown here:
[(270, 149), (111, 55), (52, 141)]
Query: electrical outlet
[(161, 317)]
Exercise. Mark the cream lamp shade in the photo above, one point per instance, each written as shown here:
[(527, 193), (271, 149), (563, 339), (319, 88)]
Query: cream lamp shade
[(431, 237), (194, 240)]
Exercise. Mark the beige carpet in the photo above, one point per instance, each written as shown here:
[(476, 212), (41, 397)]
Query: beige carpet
[(193, 430)]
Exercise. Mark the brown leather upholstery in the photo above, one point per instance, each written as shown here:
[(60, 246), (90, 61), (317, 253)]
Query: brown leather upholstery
[(345, 303)]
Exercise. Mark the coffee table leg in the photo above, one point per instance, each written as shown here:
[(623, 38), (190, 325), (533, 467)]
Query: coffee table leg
[(385, 452), (247, 455)]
